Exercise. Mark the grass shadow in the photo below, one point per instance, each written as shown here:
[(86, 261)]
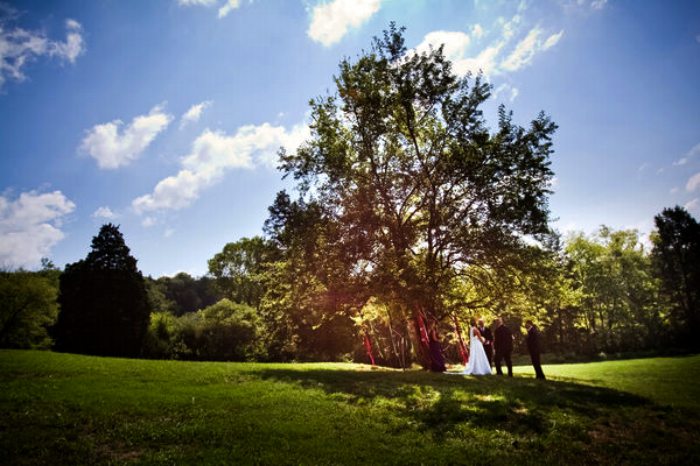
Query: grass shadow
[(555, 421), (442, 403)]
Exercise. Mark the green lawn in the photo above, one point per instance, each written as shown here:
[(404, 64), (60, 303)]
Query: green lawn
[(668, 381), (67, 409)]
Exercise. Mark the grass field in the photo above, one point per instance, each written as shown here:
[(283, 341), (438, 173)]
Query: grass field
[(68, 409), (668, 381)]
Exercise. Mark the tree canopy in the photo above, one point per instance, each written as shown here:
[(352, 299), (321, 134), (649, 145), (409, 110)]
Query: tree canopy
[(411, 189), (238, 268)]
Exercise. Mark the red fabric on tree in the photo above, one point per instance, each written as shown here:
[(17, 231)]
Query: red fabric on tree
[(368, 347), (462, 346)]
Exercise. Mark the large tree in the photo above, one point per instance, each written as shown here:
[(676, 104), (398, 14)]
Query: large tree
[(676, 256), (309, 292), (238, 269), (412, 188), (103, 302)]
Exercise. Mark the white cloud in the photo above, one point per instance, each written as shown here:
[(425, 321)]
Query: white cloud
[(18, 47), (583, 5), (527, 48), (330, 21), (73, 25), (693, 182), (224, 9), (507, 89), (509, 27), (196, 2), (113, 148), (214, 153), (30, 226), (74, 45), (674, 190), (454, 43), (228, 7), (488, 60), (168, 232), (643, 167), (697, 38), (485, 61), (194, 113), (148, 222), (500, 89), (173, 192), (552, 40), (692, 153), (693, 205), (104, 212)]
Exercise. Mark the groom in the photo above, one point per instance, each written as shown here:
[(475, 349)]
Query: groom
[(504, 347)]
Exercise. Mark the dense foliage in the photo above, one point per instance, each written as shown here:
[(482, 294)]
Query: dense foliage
[(224, 331), (27, 308), (181, 293), (238, 270)]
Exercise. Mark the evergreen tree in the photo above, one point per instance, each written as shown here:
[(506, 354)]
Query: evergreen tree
[(103, 300), (676, 256)]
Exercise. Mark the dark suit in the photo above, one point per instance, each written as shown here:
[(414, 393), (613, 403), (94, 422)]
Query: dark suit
[(488, 342), (504, 348), (534, 348)]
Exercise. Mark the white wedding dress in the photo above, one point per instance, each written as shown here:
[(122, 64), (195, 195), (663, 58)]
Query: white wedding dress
[(478, 362)]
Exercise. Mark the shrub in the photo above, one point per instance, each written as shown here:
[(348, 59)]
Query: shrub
[(27, 308), (225, 331)]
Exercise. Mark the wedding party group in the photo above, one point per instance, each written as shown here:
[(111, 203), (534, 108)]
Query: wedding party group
[(486, 347)]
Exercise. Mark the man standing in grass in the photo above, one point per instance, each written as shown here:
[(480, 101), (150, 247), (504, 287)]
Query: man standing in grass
[(533, 347), (503, 345)]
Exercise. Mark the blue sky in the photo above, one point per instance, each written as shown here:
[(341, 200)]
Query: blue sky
[(164, 116)]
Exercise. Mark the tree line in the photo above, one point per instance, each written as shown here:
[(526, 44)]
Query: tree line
[(408, 216), (591, 294)]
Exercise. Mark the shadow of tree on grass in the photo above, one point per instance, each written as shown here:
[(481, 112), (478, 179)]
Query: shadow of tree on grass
[(440, 402), (557, 417)]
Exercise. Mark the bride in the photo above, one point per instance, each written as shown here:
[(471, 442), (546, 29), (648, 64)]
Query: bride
[(478, 362)]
